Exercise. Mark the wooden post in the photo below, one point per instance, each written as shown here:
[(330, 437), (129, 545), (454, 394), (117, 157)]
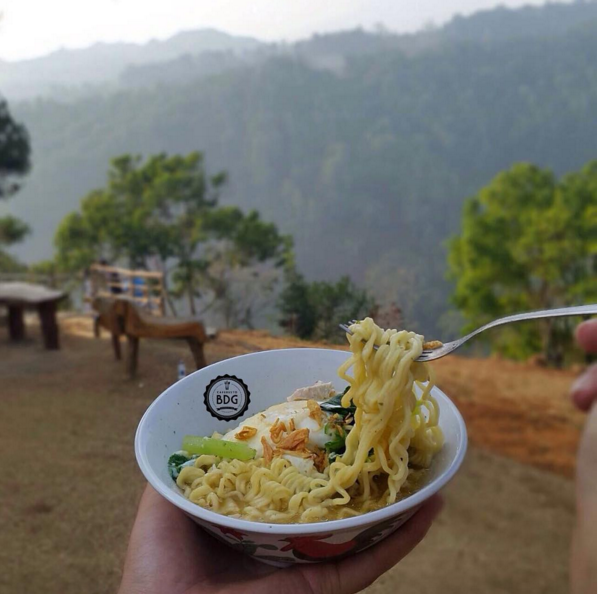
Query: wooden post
[(162, 298), (116, 346), (97, 332), (16, 324), (133, 355), (197, 352), (47, 318)]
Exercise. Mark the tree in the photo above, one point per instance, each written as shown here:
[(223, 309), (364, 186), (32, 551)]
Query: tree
[(296, 306), (148, 213), (12, 230), (314, 310), (14, 163), (241, 257), (146, 210), (165, 211), (528, 241), (14, 152)]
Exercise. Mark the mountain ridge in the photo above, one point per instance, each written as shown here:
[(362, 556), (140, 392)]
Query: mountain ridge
[(104, 62), (71, 73)]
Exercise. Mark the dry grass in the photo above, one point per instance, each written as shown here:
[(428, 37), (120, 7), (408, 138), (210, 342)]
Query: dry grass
[(69, 483), (518, 410)]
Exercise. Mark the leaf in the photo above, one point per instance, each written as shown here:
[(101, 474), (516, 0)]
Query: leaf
[(175, 462), (336, 446), (334, 406)]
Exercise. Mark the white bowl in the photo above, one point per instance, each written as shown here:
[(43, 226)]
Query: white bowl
[(271, 376)]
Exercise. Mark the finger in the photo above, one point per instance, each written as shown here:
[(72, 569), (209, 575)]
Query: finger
[(359, 571), (583, 545), (583, 391), (586, 336)]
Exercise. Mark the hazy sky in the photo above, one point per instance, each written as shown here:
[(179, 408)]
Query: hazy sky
[(31, 28)]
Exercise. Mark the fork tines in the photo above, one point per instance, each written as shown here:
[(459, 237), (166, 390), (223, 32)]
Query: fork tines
[(345, 328)]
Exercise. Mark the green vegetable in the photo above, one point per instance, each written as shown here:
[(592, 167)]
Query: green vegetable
[(333, 405), (336, 446), (175, 463), (339, 425), (217, 447)]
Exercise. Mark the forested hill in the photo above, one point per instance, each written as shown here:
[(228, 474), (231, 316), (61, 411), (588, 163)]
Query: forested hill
[(366, 166), (331, 51)]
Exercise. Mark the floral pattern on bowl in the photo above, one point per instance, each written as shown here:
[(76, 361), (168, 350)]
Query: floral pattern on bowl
[(308, 548)]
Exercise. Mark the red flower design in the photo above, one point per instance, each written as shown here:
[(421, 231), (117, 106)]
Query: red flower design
[(232, 532), (311, 548)]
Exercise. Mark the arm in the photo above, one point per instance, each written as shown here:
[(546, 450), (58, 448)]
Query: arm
[(583, 547)]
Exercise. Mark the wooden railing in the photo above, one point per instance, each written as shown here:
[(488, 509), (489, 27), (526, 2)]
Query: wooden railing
[(142, 286)]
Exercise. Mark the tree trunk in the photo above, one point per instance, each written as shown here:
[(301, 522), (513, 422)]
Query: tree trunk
[(552, 349), (545, 332), (167, 292), (227, 313), (248, 318), (170, 301), (550, 346), (191, 295)]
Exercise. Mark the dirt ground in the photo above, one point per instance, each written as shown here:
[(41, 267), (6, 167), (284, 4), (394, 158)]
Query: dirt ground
[(69, 483)]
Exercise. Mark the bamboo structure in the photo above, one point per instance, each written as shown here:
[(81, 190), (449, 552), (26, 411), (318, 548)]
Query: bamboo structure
[(144, 287)]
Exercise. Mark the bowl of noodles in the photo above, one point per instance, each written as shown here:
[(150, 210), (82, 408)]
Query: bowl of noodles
[(305, 455)]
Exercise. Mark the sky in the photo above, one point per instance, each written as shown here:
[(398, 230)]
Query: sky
[(31, 28)]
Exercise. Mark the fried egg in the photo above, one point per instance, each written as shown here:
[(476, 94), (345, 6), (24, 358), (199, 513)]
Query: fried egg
[(297, 410)]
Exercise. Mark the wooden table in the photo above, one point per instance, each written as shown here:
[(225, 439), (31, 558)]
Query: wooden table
[(19, 296)]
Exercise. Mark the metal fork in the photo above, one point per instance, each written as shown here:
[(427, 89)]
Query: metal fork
[(449, 347)]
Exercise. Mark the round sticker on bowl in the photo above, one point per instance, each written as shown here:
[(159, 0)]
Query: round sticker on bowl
[(226, 397)]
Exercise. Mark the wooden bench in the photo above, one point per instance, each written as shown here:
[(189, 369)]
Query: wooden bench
[(122, 316), (19, 296)]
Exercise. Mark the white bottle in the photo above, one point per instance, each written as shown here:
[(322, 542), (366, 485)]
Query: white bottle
[(181, 371)]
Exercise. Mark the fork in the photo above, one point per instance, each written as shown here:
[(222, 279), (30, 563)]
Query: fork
[(449, 347)]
